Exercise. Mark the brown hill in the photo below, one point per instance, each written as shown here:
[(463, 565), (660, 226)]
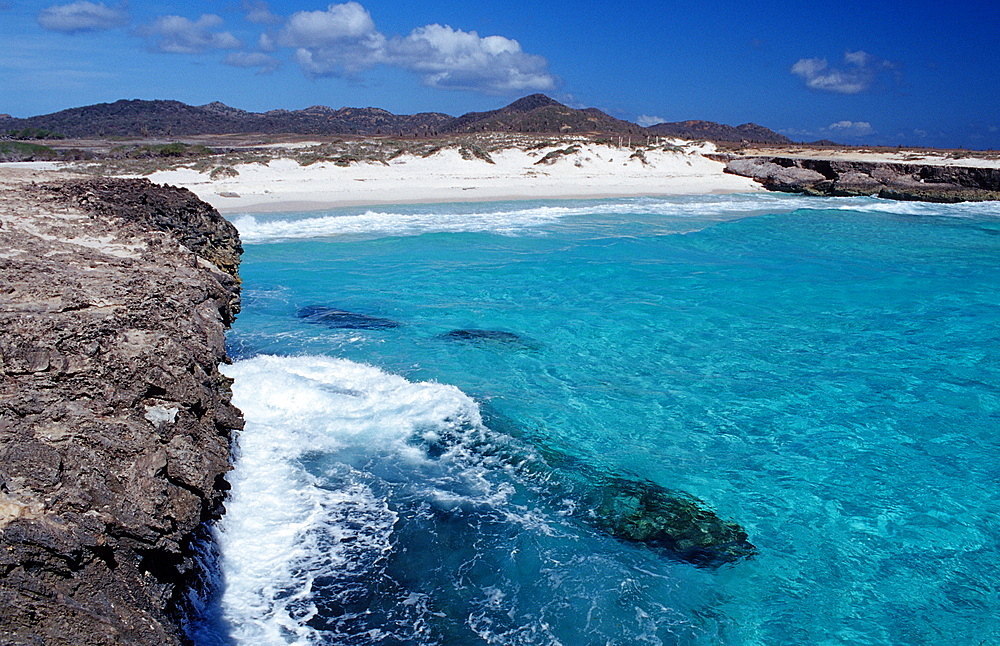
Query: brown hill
[(712, 131), (536, 113), (137, 118), (540, 114)]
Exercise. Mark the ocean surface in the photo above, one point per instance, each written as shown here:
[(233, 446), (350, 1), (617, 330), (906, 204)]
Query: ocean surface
[(436, 395)]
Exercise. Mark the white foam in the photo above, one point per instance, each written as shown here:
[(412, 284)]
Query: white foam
[(959, 209), (282, 531), (503, 220), (391, 224)]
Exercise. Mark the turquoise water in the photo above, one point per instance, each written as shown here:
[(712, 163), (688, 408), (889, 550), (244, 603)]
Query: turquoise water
[(823, 372)]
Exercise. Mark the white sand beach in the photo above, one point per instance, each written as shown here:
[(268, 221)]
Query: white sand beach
[(592, 170)]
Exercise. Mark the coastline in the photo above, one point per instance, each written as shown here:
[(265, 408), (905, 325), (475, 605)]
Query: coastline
[(115, 421), (582, 170), (317, 175)]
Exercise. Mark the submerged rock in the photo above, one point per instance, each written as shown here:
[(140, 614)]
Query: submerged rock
[(677, 524), (631, 509), (474, 334), (342, 319)]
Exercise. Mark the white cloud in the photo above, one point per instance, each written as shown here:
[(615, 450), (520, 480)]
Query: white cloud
[(645, 120), (82, 16), (839, 131), (859, 58), (343, 40), (851, 128), (454, 59), (859, 73), (266, 43), (797, 132), (340, 23), (259, 12), (179, 35), (337, 42), (265, 64)]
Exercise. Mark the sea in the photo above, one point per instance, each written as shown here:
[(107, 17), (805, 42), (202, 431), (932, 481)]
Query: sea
[(444, 401)]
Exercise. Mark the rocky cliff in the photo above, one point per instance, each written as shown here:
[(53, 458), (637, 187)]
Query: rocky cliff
[(898, 181), (115, 423)]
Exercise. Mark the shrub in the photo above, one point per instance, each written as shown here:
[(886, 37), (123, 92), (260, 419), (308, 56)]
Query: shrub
[(18, 151), (32, 133), (220, 172)]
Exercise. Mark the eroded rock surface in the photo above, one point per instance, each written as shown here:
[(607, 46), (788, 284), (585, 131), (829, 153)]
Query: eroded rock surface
[(897, 181), (115, 423)]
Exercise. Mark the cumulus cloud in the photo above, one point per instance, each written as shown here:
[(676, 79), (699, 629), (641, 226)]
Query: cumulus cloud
[(858, 74), (337, 42), (179, 35), (265, 64), (460, 60), (82, 16), (645, 120), (338, 24), (851, 128), (259, 12), (343, 40)]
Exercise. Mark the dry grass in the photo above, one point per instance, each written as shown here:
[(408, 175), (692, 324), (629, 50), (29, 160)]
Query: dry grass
[(219, 162)]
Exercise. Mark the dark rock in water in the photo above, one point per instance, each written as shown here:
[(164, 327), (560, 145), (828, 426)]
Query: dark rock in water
[(641, 511), (631, 509), (473, 334), (115, 422), (341, 319)]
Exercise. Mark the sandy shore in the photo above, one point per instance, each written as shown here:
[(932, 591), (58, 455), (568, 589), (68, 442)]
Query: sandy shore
[(591, 171), (520, 170)]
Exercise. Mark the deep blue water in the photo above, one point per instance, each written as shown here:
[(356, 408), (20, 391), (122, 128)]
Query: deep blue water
[(823, 372)]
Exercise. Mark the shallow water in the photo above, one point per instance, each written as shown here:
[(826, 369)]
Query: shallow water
[(823, 372)]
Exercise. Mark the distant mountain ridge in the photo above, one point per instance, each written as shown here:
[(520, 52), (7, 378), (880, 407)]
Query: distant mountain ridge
[(537, 113), (712, 131)]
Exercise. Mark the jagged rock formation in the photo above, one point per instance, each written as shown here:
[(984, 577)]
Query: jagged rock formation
[(897, 181), (115, 423)]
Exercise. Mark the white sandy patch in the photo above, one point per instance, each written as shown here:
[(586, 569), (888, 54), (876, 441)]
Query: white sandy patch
[(38, 165), (592, 171)]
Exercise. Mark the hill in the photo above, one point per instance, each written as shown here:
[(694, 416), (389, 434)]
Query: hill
[(712, 131), (138, 118), (540, 114), (534, 114)]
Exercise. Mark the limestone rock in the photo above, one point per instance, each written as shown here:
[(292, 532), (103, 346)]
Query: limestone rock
[(898, 181), (115, 422)]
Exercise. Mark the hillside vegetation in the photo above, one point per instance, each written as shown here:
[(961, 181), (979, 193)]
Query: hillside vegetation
[(534, 114)]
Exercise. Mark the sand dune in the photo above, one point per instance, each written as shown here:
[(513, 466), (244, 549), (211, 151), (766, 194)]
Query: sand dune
[(584, 170)]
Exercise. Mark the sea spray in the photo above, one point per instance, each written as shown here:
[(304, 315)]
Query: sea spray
[(350, 483)]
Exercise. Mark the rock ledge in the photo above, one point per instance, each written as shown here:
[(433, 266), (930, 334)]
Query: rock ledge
[(115, 422), (891, 180)]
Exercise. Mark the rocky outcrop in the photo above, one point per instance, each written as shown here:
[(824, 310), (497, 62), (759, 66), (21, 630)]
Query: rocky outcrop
[(897, 181), (115, 422)]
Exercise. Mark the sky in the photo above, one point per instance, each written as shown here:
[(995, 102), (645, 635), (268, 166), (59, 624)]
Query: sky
[(872, 72)]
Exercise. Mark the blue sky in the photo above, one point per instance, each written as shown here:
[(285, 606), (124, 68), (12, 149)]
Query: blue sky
[(872, 72)]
